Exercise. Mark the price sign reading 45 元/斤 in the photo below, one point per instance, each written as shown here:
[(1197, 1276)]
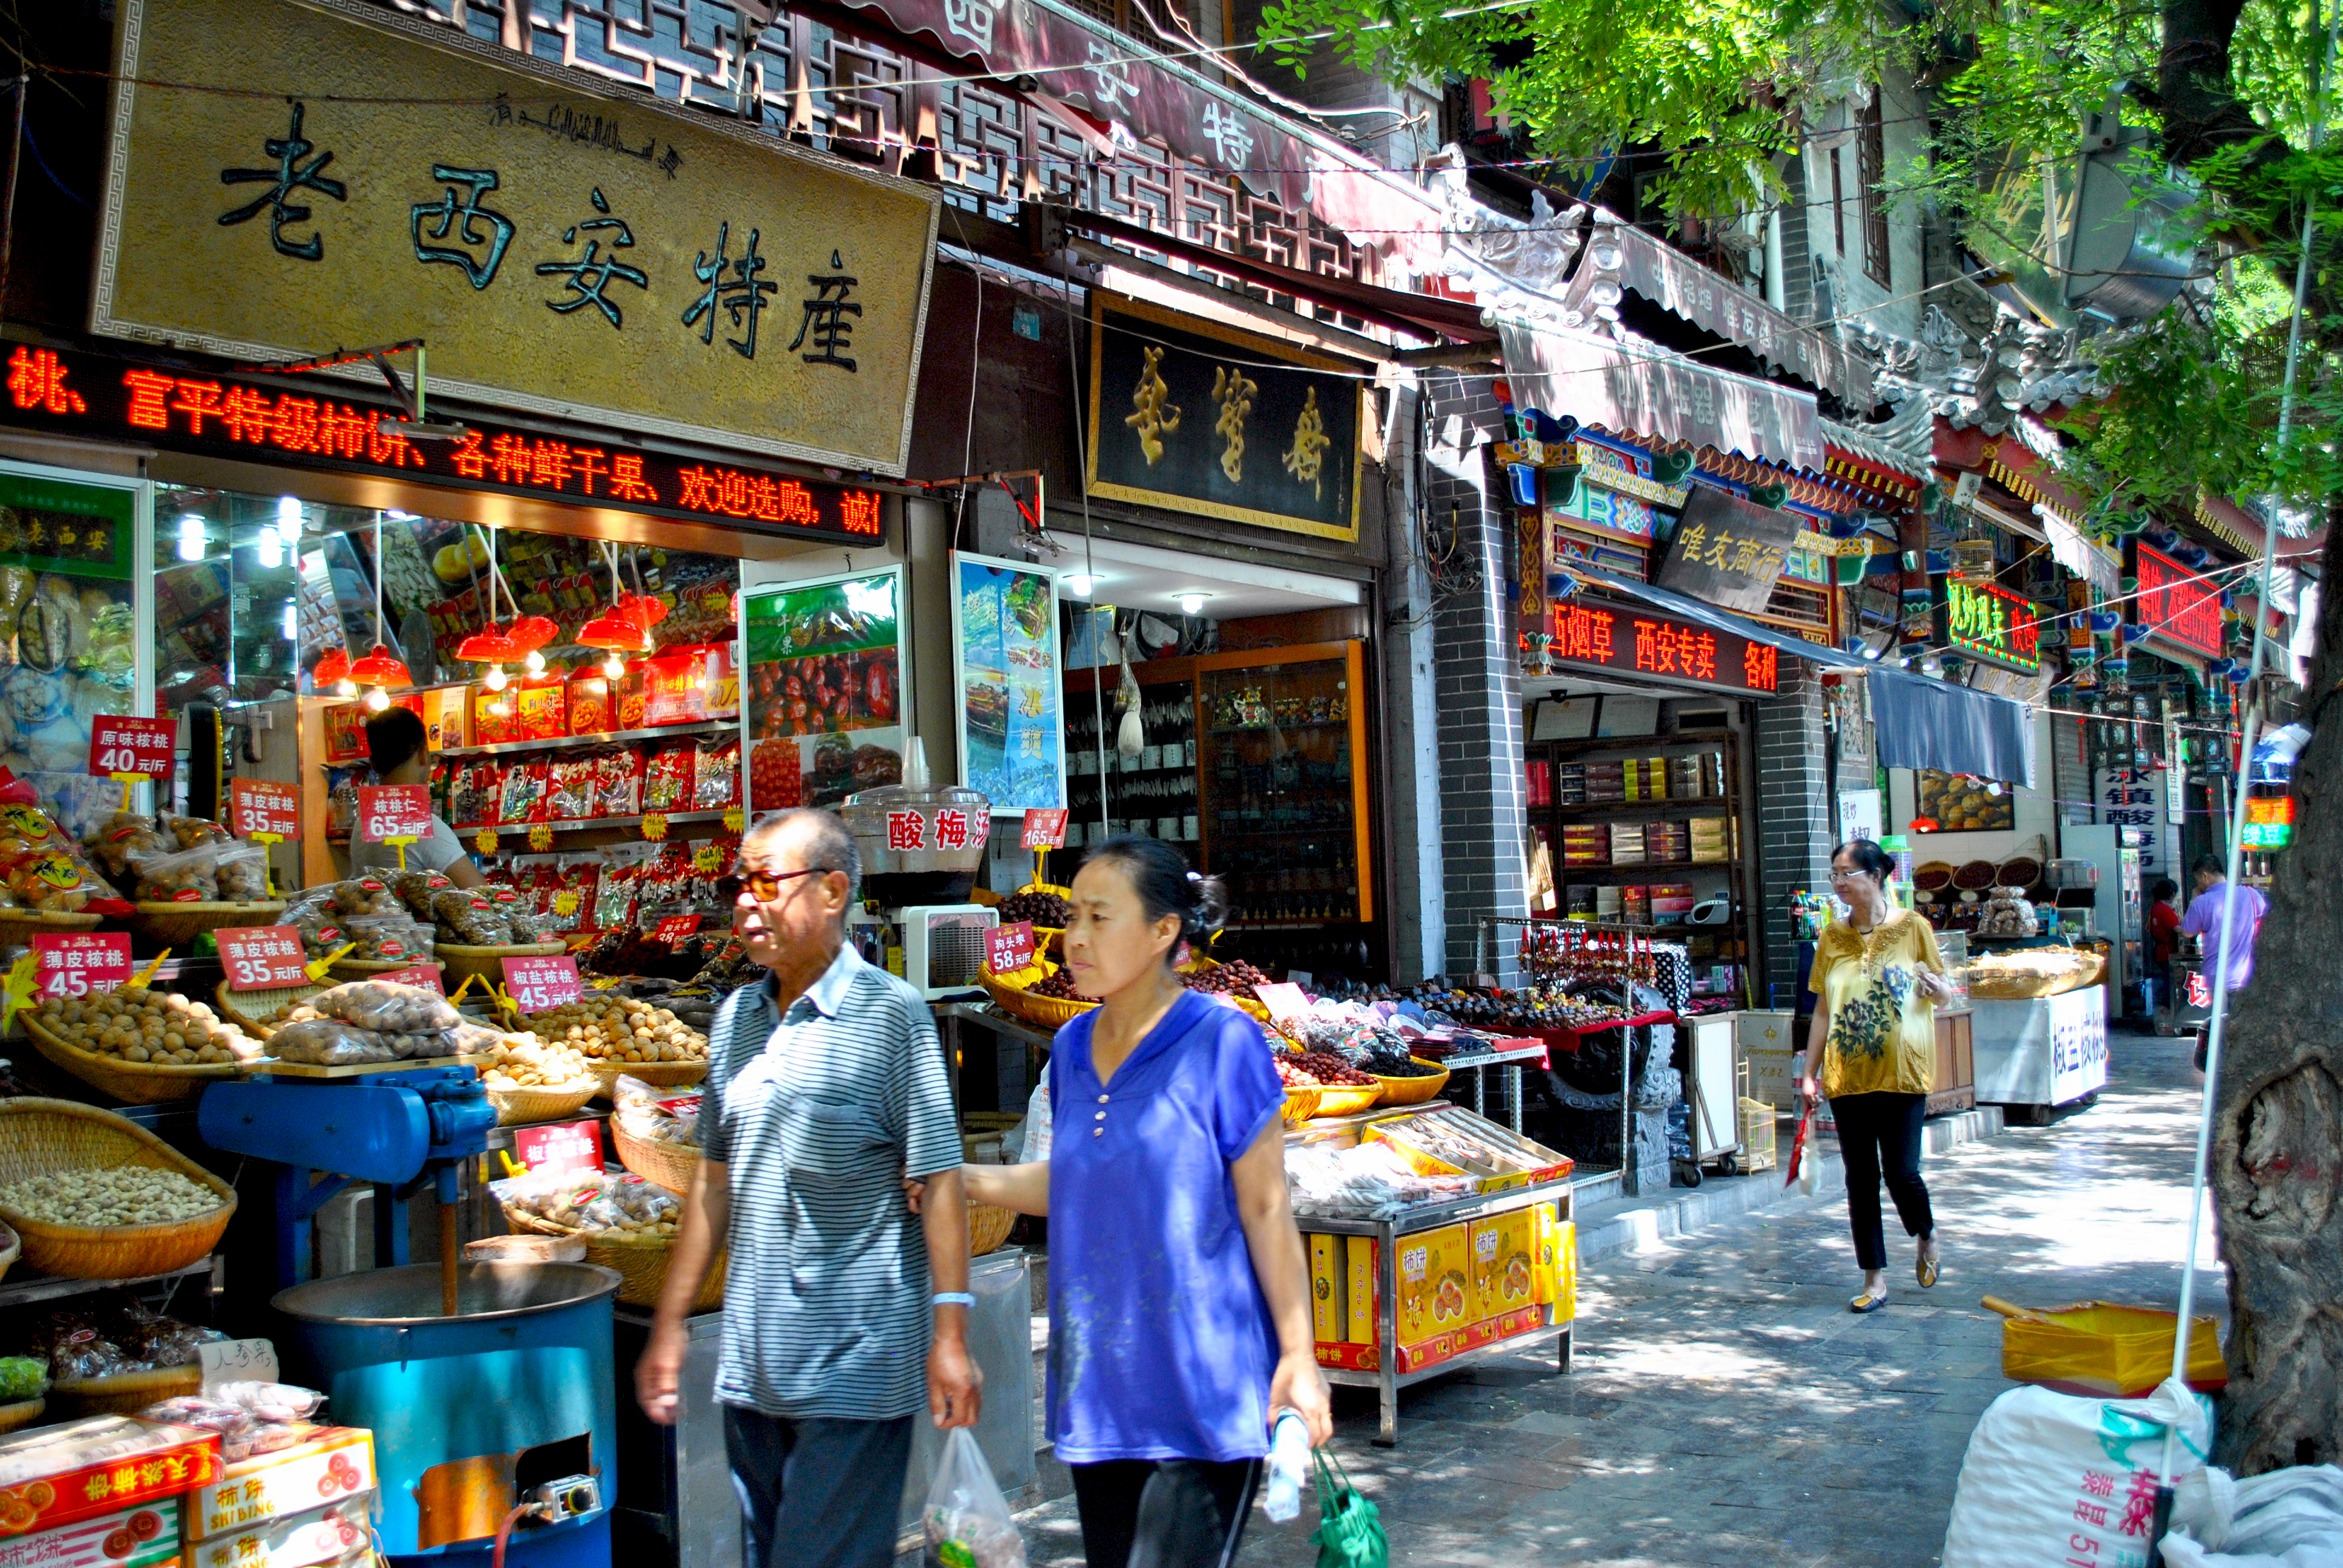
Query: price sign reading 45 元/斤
[(539, 984), (262, 958), (138, 748), (1010, 947), (76, 963)]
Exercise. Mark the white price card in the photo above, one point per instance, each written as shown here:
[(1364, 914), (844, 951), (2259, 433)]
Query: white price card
[(238, 1361)]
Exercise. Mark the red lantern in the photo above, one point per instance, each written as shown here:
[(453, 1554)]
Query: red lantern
[(380, 666)]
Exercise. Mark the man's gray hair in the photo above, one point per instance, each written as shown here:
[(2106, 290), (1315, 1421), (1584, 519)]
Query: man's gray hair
[(828, 847)]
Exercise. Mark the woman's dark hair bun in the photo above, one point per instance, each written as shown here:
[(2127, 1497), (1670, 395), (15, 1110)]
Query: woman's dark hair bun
[(1160, 875), (1869, 857)]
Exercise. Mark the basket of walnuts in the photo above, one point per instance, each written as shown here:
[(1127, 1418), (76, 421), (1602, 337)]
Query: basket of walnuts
[(527, 1079), (141, 1046), (627, 1223), (622, 1036)]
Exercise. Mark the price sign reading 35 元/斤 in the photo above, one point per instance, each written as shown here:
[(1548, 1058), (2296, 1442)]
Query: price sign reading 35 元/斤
[(262, 958)]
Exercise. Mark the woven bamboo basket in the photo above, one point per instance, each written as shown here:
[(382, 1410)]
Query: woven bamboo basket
[(658, 1074), (366, 968), (127, 1394), (459, 961), (19, 927), (250, 1011), (1012, 993), (654, 1160), (23, 1412), (988, 1228), (38, 1135), (131, 1082), (1412, 1091), (516, 1106), (175, 925), (642, 1272), (1300, 1103), (10, 1251)]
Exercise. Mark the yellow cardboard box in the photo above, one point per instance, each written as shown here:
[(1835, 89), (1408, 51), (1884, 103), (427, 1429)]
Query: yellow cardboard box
[(1358, 1297), (1426, 1263), (1504, 1249), (1555, 1267), (1453, 1301), (1327, 1280), (255, 1493)]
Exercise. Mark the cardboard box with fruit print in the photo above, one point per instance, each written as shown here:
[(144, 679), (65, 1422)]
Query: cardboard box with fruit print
[(99, 1493), (334, 1465)]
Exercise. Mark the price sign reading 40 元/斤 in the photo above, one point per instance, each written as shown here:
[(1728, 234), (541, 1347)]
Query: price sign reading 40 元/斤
[(264, 809), (121, 746), (393, 813), (1010, 947), (76, 963), (262, 958), (539, 984)]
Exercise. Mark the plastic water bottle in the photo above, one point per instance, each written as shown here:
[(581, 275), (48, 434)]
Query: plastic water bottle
[(1289, 1457)]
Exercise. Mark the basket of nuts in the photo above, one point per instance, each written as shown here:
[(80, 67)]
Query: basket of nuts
[(95, 1196), (627, 1223), (527, 1079), (142, 1046), (622, 1036)]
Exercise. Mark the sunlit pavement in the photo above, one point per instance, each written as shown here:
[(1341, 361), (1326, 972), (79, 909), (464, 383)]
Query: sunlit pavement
[(1727, 1408)]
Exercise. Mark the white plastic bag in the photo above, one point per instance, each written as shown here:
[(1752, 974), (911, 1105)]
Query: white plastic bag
[(1036, 1146), (967, 1519), (2051, 1476), (2290, 1518)]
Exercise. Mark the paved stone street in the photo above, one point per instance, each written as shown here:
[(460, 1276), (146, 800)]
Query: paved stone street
[(1727, 1408)]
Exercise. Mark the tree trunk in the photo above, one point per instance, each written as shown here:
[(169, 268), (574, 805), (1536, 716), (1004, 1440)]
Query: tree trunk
[(2277, 1136)]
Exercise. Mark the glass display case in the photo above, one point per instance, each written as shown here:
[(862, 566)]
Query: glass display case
[(1281, 762)]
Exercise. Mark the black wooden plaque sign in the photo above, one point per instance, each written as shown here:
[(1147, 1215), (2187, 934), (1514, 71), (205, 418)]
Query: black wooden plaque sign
[(1729, 552)]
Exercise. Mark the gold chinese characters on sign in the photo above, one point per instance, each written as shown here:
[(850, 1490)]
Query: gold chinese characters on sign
[(1304, 408), (376, 178)]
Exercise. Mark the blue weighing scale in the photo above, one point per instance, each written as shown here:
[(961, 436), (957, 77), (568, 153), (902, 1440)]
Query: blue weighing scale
[(510, 1401)]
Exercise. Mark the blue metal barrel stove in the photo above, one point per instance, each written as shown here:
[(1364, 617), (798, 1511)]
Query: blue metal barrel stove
[(509, 1405)]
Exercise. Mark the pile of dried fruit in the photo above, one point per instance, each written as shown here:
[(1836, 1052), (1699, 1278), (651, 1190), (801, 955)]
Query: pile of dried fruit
[(1042, 909), (1060, 984), (1317, 1068), (1236, 977)]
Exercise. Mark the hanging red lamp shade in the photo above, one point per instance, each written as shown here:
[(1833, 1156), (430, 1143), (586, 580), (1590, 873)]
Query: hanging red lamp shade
[(490, 647), (380, 666), (615, 630), (330, 668), (531, 632), (641, 609)]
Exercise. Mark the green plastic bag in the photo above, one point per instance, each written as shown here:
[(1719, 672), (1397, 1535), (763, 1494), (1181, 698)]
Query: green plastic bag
[(1349, 1533)]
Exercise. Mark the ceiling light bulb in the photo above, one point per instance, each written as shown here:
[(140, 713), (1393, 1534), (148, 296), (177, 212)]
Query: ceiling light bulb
[(292, 621), (535, 662), (378, 699), (1080, 584), (615, 668), (288, 521), (272, 551), (1192, 603), (191, 538), (495, 678), (346, 686)]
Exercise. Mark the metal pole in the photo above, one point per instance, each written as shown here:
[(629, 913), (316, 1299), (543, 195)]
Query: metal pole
[(2215, 1024)]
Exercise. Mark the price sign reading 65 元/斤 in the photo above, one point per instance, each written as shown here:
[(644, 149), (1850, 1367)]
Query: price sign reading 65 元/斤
[(390, 813)]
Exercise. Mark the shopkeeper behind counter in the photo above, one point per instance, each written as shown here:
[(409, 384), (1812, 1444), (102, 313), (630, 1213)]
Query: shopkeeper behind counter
[(401, 755)]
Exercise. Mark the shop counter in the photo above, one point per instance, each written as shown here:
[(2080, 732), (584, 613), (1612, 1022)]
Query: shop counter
[(1429, 1248), (2040, 1053)]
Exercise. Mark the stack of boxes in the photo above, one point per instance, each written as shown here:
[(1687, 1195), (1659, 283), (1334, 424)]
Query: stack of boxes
[(1710, 838), (1627, 843), (1671, 903), (105, 1493), (306, 1507), (1586, 844), (1666, 844)]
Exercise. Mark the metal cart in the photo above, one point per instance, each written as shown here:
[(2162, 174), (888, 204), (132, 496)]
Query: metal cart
[(1387, 1377)]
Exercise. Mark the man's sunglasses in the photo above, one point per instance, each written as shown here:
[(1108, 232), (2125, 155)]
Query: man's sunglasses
[(763, 885)]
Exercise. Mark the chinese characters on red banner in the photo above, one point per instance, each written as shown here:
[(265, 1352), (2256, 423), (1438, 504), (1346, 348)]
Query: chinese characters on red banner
[(2176, 603), (1591, 632)]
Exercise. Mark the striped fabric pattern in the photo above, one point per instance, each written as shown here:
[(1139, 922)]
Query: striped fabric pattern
[(818, 1115)]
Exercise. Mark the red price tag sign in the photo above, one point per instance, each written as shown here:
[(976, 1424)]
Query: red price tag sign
[(139, 747), (537, 985), (390, 812), (569, 1146), (424, 975), (1010, 947), (1283, 1000), (258, 806), (1045, 828), (673, 929), (262, 958), (76, 963)]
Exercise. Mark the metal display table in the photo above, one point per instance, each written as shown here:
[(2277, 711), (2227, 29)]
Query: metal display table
[(1387, 1378), (1478, 1062)]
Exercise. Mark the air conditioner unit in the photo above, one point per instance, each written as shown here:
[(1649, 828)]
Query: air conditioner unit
[(944, 947)]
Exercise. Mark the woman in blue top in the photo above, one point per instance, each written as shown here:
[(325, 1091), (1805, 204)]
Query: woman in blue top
[(1179, 1296)]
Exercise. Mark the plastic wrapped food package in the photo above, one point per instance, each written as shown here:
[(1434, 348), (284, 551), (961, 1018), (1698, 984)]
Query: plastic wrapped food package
[(388, 938), (365, 896), (121, 835), (44, 869), (1373, 1179), (570, 793), (194, 832), (47, 1450), (618, 782), (472, 794), (661, 1116), (330, 1042), (517, 914), (666, 779), (388, 1008), (523, 796), (622, 1207), (222, 870), (716, 775), (471, 918), (415, 890), (614, 894)]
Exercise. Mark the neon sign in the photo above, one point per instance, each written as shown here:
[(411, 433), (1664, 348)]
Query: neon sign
[(1586, 631), (1987, 621), (2269, 822), (96, 395), (2177, 604)]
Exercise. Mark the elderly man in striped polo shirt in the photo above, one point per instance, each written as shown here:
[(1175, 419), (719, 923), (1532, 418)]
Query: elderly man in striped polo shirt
[(826, 1089)]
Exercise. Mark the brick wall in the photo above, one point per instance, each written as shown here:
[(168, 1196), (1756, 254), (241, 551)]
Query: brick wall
[(1476, 676), (1791, 791)]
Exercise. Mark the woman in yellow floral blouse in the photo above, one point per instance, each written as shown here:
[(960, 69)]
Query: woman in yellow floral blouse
[(1877, 978)]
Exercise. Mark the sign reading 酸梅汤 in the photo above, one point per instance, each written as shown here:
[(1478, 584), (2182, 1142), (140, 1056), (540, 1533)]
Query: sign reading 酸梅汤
[(1194, 417), (1729, 552), (375, 178), (1986, 621)]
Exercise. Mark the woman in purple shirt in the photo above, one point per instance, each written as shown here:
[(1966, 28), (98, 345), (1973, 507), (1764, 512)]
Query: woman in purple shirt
[(1179, 1296)]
